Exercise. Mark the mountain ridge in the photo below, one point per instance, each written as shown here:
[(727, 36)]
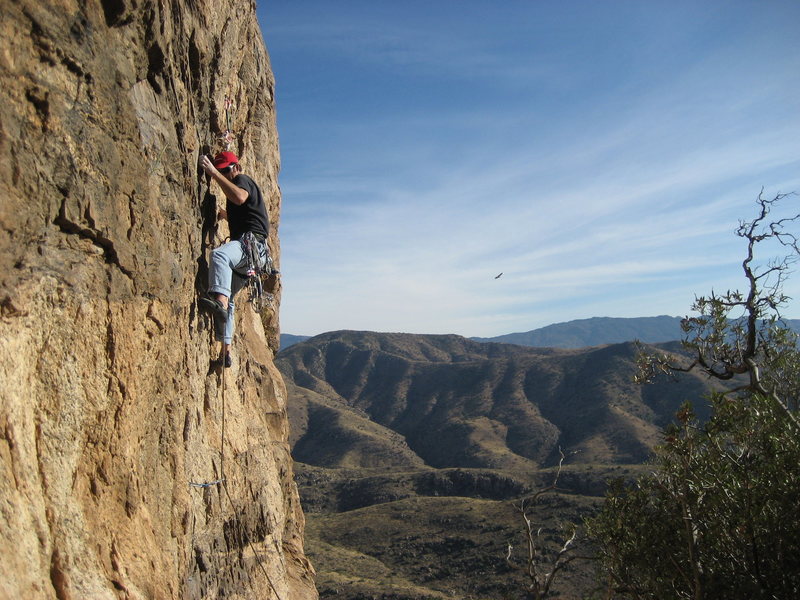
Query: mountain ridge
[(596, 331), (580, 333), (411, 448), (484, 399), (577, 333)]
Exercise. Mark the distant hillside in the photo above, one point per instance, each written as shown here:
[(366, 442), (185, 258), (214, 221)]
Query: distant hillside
[(287, 339), (409, 449), (595, 332), (455, 402), (598, 331), (582, 333), (576, 334)]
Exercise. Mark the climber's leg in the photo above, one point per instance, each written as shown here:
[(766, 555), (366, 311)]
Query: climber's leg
[(238, 281), (225, 260)]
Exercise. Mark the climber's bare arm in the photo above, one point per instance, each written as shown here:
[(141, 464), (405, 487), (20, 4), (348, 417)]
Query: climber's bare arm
[(232, 191)]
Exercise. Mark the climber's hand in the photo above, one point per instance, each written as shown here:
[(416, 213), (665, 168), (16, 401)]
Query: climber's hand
[(207, 165)]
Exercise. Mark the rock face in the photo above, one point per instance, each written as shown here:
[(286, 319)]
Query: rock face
[(108, 408)]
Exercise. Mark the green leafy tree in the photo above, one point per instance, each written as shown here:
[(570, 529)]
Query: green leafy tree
[(719, 516)]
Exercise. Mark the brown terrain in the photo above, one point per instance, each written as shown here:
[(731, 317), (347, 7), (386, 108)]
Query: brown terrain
[(108, 408), (411, 450)]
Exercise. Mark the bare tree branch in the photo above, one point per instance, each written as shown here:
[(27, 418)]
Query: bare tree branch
[(541, 582), (739, 333)]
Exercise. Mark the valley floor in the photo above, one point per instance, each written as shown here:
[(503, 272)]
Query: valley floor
[(431, 534)]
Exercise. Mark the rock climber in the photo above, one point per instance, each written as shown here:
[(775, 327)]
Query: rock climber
[(246, 214)]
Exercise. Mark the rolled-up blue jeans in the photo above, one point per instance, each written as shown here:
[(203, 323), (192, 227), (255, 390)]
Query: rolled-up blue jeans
[(227, 274)]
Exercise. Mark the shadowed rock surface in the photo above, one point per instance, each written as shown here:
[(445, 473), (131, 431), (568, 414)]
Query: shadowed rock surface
[(108, 405)]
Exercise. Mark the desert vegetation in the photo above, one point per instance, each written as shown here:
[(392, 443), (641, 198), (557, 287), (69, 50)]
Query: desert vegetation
[(718, 516)]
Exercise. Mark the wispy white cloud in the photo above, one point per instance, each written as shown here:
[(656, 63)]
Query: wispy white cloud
[(618, 201)]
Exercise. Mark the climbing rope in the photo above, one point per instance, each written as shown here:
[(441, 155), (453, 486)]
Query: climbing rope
[(222, 435), (242, 540), (229, 106), (221, 447)]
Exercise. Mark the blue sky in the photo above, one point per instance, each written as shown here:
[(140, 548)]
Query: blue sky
[(598, 154)]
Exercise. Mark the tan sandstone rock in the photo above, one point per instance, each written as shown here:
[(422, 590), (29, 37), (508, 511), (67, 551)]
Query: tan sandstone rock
[(108, 409)]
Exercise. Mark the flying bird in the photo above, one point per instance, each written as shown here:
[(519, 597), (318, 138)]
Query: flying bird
[(499, 276)]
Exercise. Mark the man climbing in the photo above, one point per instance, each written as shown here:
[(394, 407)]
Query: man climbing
[(249, 226)]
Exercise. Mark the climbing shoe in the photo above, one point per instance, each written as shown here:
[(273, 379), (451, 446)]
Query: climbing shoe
[(222, 361), (215, 307)]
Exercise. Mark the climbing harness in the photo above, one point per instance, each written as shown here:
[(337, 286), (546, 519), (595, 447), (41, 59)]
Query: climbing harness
[(258, 269)]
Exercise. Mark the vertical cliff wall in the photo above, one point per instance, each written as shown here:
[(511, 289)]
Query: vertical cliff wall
[(108, 409)]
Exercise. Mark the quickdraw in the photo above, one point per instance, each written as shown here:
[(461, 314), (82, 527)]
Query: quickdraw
[(227, 138), (257, 269)]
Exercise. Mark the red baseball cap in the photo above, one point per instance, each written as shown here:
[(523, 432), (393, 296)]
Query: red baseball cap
[(224, 159)]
